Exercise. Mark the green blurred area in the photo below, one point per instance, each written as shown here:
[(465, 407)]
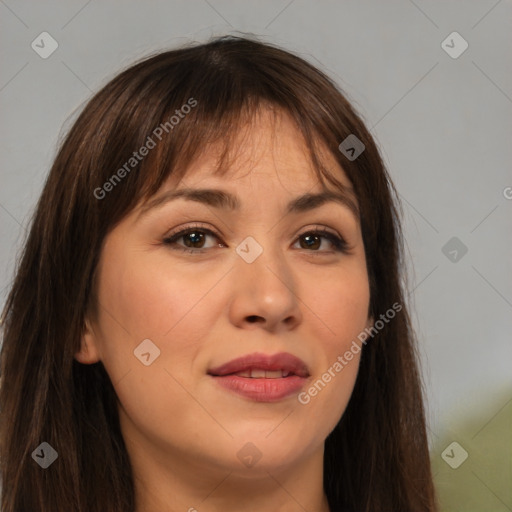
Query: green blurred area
[(483, 481)]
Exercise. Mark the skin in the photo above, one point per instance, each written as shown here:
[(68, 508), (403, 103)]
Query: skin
[(182, 430)]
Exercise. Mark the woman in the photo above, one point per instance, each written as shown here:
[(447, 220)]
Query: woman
[(208, 314)]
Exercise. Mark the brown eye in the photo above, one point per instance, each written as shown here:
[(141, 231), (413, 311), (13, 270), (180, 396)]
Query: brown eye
[(192, 239), (312, 240)]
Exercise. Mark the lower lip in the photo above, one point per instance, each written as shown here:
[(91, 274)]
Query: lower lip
[(262, 390)]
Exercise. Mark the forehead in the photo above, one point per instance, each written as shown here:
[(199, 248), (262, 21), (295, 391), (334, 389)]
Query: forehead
[(268, 149), (264, 164)]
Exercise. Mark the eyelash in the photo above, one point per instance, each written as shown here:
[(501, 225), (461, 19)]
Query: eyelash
[(340, 245)]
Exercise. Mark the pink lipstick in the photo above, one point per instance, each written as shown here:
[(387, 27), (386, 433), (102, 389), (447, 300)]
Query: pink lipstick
[(261, 377)]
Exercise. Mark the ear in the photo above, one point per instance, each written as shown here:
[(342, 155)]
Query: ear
[(369, 322), (88, 353)]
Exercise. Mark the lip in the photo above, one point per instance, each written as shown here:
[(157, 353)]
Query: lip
[(262, 389)]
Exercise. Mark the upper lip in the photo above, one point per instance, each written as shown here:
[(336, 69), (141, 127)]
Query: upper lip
[(282, 361)]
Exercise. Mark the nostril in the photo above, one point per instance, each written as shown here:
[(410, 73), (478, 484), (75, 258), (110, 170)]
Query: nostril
[(254, 318)]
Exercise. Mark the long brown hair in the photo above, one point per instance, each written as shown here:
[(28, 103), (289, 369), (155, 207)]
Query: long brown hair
[(376, 458)]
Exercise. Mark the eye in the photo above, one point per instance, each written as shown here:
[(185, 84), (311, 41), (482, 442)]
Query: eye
[(193, 237), (313, 239)]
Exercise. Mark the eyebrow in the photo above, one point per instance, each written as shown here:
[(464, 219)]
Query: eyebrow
[(226, 200)]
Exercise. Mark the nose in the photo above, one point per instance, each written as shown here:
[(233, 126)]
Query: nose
[(265, 294)]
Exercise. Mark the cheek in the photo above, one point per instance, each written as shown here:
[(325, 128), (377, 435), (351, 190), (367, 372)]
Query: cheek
[(142, 298), (338, 316), (150, 299), (341, 310)]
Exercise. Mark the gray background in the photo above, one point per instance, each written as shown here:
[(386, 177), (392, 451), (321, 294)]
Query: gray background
[(444, 126)]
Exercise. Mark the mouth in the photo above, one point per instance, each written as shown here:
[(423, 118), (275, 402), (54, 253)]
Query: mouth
[(261, 377)]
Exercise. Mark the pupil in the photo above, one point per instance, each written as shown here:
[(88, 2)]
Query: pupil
[(194, 238), (311, 241)]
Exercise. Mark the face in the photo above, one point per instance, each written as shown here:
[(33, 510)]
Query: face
[(191, 283)]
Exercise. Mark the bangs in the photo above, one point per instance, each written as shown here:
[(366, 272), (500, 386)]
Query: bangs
[(223, 135), (179, 105)]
